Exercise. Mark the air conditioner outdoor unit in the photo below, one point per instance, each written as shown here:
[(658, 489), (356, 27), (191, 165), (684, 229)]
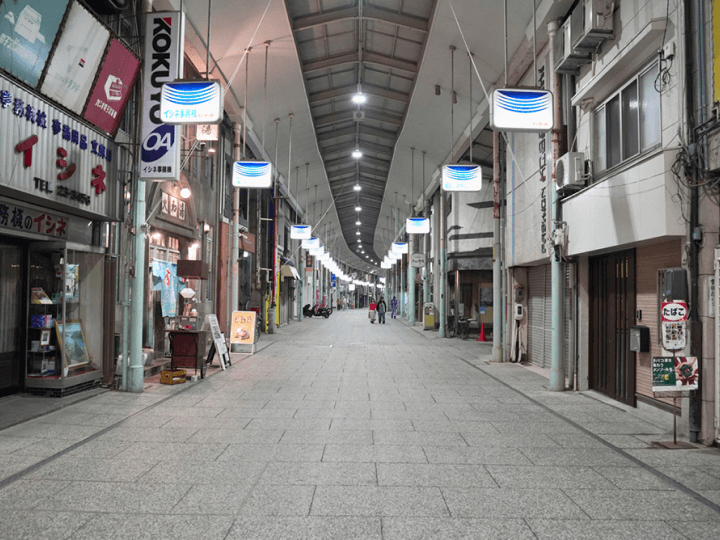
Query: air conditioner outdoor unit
[(358, 116), (570, 172), (592, 23), (568, 60)]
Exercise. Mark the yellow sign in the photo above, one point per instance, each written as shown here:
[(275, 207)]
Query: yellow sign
[(242, 330)]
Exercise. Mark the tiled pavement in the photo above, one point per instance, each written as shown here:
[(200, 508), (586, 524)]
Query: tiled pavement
[(339, 429)]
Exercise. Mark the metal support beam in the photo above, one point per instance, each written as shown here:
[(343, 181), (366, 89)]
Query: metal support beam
[(384, 164), (347, 116), (369, 12), (364, 146), (364, 130), (368, 57), (348, 91)]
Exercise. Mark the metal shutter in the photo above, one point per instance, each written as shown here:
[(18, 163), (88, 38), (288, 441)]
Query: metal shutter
[(569, 322), (539, 310)]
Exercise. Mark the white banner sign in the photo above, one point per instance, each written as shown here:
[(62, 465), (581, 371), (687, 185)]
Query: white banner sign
[(191, 102), (311, 243), (75, 62), (518, 109), (400, 247), (300, 232), (417, 225), (160, 156), (461, 178), (252, 174)]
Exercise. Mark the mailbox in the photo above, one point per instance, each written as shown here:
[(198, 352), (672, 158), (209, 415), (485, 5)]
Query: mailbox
[(640, 339)]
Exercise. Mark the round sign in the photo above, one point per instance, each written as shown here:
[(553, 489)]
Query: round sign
[(674, 312)]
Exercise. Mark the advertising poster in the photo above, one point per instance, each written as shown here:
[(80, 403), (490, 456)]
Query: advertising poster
[(160, 155), (76, 59), (242, 330), (113, 87), (674, 333), (676, 374), (27, 32)]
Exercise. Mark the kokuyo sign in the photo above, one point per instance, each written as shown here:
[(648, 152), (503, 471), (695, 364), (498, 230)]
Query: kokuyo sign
[(160, 155)]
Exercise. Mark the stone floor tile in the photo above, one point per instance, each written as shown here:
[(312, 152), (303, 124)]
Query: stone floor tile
[(640, 505), (548, 477), (378, 501), (12, 464), (379, 453), (633, 478), (418, 437), (31, 525), (291, 424), (577, 457), (272, 452), (511, 503), (205, 472), (697, 530), (338, 436), (137, 434), (476, 455), (115, 497), (95, 470), (561, 529), (249, 436), (206, 499), (25, 494), (305, 528), (274, 500), (319, 474), (395, 528), (143, 527), (434, 475), (474, 438)]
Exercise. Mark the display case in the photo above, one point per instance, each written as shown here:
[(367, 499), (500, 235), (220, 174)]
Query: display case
[(64, 318)]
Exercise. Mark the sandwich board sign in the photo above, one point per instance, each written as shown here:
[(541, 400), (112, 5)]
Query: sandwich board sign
[(219, 341)]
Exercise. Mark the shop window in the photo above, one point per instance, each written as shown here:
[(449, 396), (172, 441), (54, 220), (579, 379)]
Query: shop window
[(627, 124)]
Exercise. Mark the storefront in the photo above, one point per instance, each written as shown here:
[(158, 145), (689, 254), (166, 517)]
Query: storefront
[(58, 190)]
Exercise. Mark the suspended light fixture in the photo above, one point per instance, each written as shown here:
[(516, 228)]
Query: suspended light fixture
[(358, 208), (359, 98), (185, 193), (357, 187), (358, 233), (358, 223), (357, 154)]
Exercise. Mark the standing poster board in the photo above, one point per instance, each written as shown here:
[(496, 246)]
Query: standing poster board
[(674, 374), (242, 329), (674, 320), (219, 341), (73, 346)]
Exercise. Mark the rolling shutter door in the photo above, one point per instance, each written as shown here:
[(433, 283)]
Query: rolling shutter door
[(569, 322), (539, 310)]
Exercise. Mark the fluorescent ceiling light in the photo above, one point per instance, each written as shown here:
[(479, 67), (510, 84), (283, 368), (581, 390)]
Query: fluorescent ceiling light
[(358, 223), (359, 98), (358, 233), (357, 154), (358, 208), (357, 187)]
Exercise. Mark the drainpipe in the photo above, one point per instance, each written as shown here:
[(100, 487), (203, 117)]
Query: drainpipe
[(497, 352), (557, 373), (426, 273)]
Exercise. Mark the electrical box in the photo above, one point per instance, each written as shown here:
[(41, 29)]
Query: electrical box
[(519, 312), (640, 339)]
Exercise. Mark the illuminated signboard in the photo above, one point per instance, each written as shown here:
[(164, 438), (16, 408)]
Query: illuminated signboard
[(191, 102), (160, 156), (521, 110), (417, 225), (300, 232), (252, 174), (400, 247), (461, 177), (385, 266), (311, 243)]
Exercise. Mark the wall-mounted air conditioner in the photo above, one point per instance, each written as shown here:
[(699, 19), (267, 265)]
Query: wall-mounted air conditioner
[(358, 116), (592, 23), (570, 172), (568, 60)]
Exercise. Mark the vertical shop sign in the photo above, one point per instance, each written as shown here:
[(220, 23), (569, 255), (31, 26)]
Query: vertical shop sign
[(112, 89), (674, 322), (160, 155), (165, 281), (27, 32), (76, 59)]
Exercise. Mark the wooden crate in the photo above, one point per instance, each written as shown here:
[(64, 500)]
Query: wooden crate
[(172, 377)]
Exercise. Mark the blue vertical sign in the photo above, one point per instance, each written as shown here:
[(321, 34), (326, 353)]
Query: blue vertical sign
[(333, 280), (27, 33)]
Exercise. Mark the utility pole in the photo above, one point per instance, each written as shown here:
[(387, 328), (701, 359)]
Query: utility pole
[(557, 371), (497, 352)]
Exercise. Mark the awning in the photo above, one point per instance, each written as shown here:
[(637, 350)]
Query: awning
[(289, 271)]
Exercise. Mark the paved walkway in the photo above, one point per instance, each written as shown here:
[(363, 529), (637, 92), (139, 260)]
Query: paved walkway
[(338, 430)]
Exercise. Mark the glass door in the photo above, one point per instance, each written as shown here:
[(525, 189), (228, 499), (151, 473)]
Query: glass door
[(11, 329)]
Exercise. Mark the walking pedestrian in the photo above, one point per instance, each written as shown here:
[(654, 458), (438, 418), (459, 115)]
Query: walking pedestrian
[(381, 309), (394, 307)]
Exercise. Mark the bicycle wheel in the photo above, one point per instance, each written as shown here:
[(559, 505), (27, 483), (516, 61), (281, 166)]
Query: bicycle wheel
[(464, 331)]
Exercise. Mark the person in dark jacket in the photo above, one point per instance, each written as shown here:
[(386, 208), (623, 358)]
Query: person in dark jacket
[(394, 306), (381, 309)]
